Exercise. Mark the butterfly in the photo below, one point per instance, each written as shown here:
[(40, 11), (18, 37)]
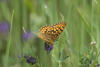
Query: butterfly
[(50, 33)]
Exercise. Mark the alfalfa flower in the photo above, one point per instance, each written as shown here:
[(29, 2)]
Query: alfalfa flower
[(48, 47), (26, 35), (4, 29), (30, 59)]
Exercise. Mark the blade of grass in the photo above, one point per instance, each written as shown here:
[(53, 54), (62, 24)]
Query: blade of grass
[(9, 43), (89, 30)]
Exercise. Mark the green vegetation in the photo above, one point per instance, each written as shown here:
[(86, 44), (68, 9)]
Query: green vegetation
[(77, 46)]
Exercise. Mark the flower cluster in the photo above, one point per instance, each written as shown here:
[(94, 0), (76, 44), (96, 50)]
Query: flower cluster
[(48, 47), (30, 59), (27, 35)]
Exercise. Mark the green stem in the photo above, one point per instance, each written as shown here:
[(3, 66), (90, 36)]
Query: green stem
[(87, 26), (9, 43), (60, 65)]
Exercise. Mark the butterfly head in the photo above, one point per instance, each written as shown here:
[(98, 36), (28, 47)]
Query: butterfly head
[(48, 46)]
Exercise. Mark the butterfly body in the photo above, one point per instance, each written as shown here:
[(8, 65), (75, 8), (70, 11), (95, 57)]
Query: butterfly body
[(51, 33)]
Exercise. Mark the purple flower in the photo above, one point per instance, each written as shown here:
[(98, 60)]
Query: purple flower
[(48, 47), (98, 65), (4, 29), (27, 35), (31, 59)]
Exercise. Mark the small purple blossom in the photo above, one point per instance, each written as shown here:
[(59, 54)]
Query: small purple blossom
[(30, 59), (4, 29), (27, 35), (98, 65), (48, 47)]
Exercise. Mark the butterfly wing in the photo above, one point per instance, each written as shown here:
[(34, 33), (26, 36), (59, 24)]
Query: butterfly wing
[(51, 33), (57, 30), (44, 34)]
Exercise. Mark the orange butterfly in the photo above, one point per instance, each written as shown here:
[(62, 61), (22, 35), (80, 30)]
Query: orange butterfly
[(51, 33)]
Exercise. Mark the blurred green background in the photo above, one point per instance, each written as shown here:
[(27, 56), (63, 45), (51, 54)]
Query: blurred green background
[(77, 46)]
